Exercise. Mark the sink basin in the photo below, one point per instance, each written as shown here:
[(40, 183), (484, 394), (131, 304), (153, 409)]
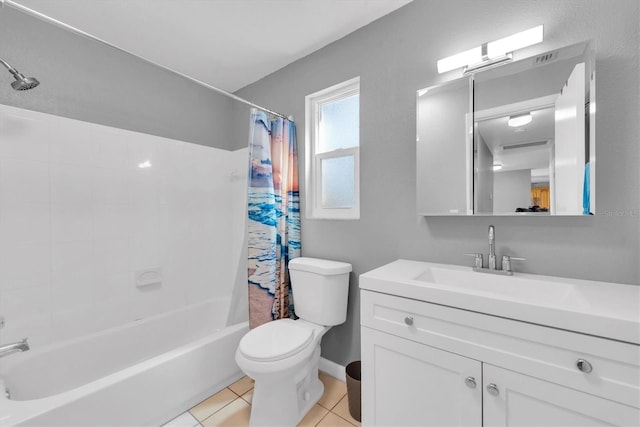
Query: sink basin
[(504, 287), (598, 308)]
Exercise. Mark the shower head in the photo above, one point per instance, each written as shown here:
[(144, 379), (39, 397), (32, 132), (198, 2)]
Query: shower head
[(22, 82)]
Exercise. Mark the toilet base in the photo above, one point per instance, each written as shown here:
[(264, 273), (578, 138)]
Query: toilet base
[(284, 398)]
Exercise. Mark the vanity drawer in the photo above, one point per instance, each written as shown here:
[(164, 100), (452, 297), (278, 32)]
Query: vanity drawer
[(539, 351)]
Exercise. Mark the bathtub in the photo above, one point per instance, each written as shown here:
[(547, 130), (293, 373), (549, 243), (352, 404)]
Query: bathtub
[(143, 373)]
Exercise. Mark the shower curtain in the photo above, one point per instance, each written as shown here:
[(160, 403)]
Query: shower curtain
[(274, 217)]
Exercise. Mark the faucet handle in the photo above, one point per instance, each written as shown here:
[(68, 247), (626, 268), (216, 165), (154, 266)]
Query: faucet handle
[(477, 262), (506, 262)]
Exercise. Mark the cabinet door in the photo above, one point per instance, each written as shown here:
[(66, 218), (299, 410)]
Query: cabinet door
[(513, 399), (409, 384)]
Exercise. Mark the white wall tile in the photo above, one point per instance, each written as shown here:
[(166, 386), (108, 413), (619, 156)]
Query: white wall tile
[(72, 276), (113, 299), (111, 147), (71, 222), (71, 184), (71, 292), (72, 323), (23, 181), (112, 221), (113, 313), (26, 305), (112, 288), (24, 265), (238, 161), (153, 300), (69, 259), (147, 251), (72, 143), (111, 256), (142, 151), (21, 222), (145, 186), (78, 218), (111, 187), (26, 134)]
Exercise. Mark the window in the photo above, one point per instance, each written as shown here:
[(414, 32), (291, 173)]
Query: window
[(332, 155)]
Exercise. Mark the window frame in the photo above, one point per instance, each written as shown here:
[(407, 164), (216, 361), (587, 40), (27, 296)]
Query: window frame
[(313, 158)]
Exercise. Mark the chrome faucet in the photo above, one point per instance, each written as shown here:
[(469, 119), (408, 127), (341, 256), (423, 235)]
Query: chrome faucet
[(492, 247), (15, 347), (492, 266)]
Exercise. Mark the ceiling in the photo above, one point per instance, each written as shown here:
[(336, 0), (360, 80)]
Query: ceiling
[(497, 134), (225, 43)]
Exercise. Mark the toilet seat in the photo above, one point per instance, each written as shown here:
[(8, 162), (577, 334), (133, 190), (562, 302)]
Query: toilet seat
[(276, 340)]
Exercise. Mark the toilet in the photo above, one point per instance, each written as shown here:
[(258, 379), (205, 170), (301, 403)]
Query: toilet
[(282, 356)]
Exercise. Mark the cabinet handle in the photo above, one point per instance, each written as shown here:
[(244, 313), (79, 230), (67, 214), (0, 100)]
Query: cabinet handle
[(470, 382), (408, 320), (492, 389), (584, 366)]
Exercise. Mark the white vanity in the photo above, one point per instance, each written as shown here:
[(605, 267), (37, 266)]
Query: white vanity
[(443, 345)]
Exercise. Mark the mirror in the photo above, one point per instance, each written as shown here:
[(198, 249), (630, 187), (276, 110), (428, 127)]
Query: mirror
[(518, 139)]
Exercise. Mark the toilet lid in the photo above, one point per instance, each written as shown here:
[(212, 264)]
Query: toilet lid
[(275, 340)]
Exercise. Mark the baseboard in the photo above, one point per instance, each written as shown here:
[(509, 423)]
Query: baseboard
[(333, 369)]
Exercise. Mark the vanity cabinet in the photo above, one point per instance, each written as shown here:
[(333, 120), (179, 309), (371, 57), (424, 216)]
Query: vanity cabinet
[(427, 364), (412, 383), (514, 399)]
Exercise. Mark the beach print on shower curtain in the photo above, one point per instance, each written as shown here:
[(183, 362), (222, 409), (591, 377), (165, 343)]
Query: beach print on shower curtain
[(274, 217)]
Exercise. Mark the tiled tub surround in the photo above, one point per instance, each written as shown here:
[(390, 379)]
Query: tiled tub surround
[(83, 208)]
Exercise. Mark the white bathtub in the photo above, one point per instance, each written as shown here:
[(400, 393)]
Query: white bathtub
[(144, 373)]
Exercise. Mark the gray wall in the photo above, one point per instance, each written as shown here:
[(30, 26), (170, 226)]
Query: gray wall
[(85, 80), (397, 55)]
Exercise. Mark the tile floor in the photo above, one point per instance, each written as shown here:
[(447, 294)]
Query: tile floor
[(232, 406)]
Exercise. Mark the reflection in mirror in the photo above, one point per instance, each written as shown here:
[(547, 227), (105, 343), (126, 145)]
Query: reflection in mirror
[(526, 148), (515, 158), (531, 136)]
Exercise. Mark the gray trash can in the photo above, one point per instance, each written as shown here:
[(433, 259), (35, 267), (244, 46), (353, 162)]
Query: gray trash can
[(353, 371)]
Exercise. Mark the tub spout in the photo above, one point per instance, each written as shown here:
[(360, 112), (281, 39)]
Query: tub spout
[(15, 347)]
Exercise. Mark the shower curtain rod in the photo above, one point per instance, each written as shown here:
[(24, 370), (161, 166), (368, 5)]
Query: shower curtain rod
[(77, 31)]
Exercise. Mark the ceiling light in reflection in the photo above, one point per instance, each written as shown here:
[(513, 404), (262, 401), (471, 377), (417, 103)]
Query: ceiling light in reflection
[(519, 120)]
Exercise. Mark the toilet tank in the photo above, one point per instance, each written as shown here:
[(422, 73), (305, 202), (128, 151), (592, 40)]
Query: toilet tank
[(320, 290)]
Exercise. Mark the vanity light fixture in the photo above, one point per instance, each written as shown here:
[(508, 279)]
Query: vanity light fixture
[(519, 120), (492, 53)]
